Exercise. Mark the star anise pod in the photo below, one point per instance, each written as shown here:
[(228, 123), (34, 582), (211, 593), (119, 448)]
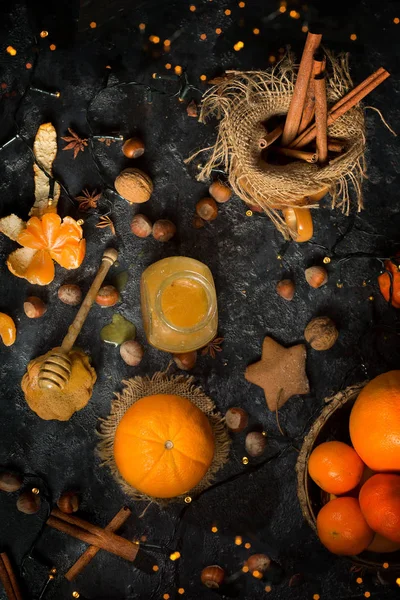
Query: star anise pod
[(105, 221), (75, 142), (88, 199), (213, 347)]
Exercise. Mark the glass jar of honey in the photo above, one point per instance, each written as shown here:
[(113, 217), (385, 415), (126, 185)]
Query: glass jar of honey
[(179, 304)]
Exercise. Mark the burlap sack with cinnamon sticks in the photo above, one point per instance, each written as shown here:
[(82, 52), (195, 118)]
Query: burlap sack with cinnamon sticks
[(161, 383), (243, 102)]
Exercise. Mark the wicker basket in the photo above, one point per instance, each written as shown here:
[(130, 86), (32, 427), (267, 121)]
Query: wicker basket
[(333, 424)]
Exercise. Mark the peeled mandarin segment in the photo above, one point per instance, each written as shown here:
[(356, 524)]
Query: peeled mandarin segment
[(8, 331), (33, 236), (300, 220), (69, 256), (51, 228), (41, 269), (69, 231)]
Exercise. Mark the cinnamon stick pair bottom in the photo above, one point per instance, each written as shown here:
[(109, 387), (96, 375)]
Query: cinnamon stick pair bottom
[(8, 579)]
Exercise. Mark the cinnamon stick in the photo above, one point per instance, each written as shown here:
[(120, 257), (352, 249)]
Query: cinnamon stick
[(93, 535), (334, 146), (309, 105), (6, 583), (271, 137), (343, 105), (310, 157), (321, 116), (11, 575), (83, 561), (300, 89)]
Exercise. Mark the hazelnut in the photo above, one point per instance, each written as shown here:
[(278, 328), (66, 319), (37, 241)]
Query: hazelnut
[(133, 148), (213, 576), (316, 276), (220, 192), (10, 482), (70, 294), (34, 307), (131, 352), (255, 208), (198, 222), (28, 502), (191, 109), (236, 419), (185, 361), (321, 333), (107, 295), (207, 209), (68, 502), (134, 186), (259, 563), (255, 443), (285, 289), (141, 226), (163, 230)]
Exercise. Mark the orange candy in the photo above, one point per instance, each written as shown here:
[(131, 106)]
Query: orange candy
[(375, 423), (8, 331), (335, 467), (380, 505), (342, 527)]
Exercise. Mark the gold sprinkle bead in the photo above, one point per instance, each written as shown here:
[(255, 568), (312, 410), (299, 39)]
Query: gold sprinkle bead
[(80, 222), (247, 545), (35, 491), (245, 569), (188, 500), (339, 284), (279, 257), (326, 260), (249, 213), (44, 34), (371, 298), (385, 565), (76, 595), (181, 591), (238, 540), (53, 571), (245, 460), (214, 529), (398, 581), (268, 588)]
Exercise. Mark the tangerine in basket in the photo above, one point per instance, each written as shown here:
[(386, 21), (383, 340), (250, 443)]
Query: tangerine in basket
[(342, 527), (380, 505), (335, 467), (375, 423), (381, 544), (163, 445)]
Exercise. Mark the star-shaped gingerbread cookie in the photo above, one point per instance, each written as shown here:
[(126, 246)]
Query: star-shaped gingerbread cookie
[(281, 372)]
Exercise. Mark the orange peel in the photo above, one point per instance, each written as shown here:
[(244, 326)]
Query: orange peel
[(8, 331)]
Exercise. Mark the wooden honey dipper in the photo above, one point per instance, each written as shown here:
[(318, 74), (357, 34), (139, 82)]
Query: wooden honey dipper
[(56, 370)]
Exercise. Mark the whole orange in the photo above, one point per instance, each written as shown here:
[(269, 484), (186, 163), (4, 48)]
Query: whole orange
[(163, 445), (335, 467), (375, 423), (380, 505), (342, 528), (381, 544)]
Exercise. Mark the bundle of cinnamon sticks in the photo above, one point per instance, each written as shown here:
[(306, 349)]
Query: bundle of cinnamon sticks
[(8, 579), (308, 117)]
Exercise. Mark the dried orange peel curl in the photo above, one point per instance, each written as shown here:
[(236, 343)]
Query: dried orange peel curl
[(8, 330), (43, 241)]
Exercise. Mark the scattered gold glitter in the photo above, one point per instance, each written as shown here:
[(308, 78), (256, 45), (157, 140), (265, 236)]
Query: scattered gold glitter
[(242, 4), (245, 460), (167, 43), (304, 28), (249, 213), (93, 25), (238, 540), (168, 66), (294, 14), (238, 46), (188, 500), (53, 571), (11, 50), (353, 37), (268, 588), (155, 568), (228, 12), (256, 31), (35, 491), (245, 569), (364, 284), (44, 34), (203, 77), (80, 222), (278, 256), (247, 545), (181, 591), (214, 529), (203, 36), (257, 574), (28, 65), (192, 8), (142, 26), (178, 70), (52, 47), (339, 284), (175, 555), (218, 31), (359, 580), (385, 565), (396, 20), (371, 298), (326, 260)]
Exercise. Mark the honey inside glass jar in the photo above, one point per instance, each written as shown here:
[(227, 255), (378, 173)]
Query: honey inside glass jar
[(179, 304)]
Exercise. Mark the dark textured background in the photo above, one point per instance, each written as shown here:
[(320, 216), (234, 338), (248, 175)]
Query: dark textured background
[(241, 251)]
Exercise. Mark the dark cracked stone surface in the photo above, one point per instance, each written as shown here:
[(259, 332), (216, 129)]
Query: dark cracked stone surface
[(261, 503)]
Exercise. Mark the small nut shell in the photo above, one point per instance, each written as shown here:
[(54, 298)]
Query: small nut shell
[(316, 276), (255, 443), (198, 222), (220, 192), (131, 353), (28, 502), (207, 209), (186, 360), (258, 562), (321, 333), (10, 482), (285, 289), (70, 294), (236, 419), (133, 148), (68, 502), (107, 295), (163, 230), (134, 185), (141, 226), (213, 576), (34, 307)]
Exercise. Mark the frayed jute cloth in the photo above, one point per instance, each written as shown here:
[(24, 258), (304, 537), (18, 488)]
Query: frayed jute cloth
[(333, 403), (243, 102), (161, 383)]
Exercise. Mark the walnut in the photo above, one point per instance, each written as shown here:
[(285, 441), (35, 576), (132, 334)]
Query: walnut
[(134, 185), (321, 333)]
